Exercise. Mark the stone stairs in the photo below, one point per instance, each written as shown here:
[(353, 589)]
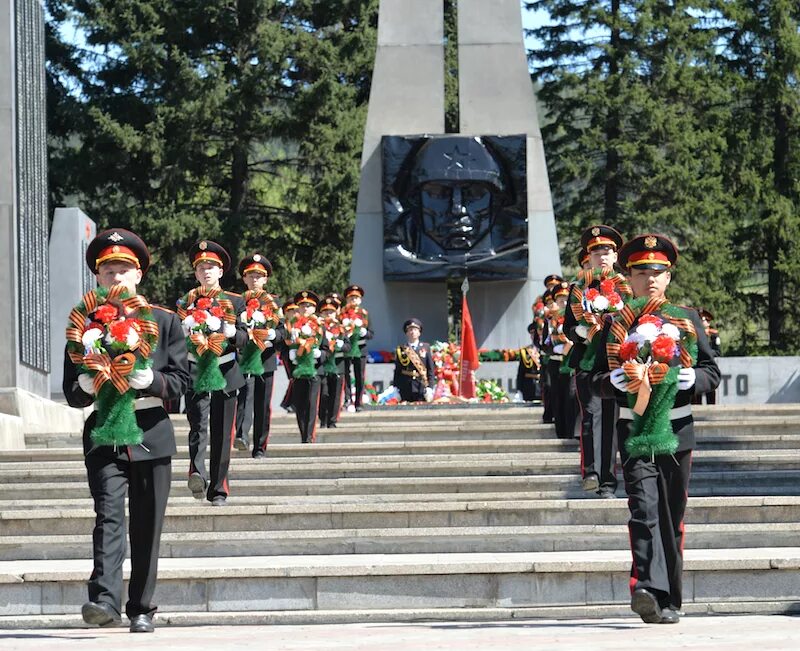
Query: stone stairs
[(415, 513)]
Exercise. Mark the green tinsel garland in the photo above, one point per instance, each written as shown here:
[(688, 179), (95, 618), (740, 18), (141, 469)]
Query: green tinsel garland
[(587, 361), (305, 367), (116, 416), (355, 346), (250, 362), (208, 378)]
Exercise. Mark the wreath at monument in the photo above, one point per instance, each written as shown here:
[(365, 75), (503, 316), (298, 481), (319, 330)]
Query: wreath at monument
[(651, 340), (208, 320), (110, 334)]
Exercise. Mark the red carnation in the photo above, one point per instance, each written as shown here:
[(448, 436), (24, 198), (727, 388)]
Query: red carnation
[(592, 294), (203, 303), (217, 311), (614, 298), (119, 330), (649, 318), (200, 316), (628, 351), (106, 313), (606, 286), (252, 304), (664, 348)]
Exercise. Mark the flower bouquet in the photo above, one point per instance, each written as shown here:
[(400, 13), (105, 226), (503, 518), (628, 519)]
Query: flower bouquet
[(305, 336), (596, 293), (334, 337), (355, 321), (208, 320), (110, 334), (446, 358), (261, 318), (651, 340), (490, 391)]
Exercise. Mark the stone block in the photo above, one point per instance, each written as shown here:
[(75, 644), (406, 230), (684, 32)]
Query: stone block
[(721, 585), (182, 595), (261, 594), (20, 599), (541, 589)]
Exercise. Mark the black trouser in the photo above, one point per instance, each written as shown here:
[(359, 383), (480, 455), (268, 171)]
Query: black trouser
[(711, 398), (598, 443), (147, 485), (330, 398), (562, 393), (547, 393), (354, 366), (219, 408), (305, 399), (657, 495), (254, 408)]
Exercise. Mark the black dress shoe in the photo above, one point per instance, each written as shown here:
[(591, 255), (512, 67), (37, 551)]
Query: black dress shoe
[(591, 482), (331, 424), (142, 624), (669, 616), (645, 604), (240, 443), (258, 454), (100, 614), (219, 500)]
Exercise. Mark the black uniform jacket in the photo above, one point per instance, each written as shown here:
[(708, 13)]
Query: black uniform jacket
[(579, 343), (170, 381), (707, 378), (407, 376)]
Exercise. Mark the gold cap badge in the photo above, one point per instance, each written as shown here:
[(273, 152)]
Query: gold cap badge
[(115, 237), (256, 258), (595, 231), (651, 242), (203, 246)]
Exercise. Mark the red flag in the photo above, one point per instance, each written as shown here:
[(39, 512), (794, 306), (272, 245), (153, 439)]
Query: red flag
[(469, 352)]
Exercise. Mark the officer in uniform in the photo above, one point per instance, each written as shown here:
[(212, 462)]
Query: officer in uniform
[(143, 472), (356, 367), (601, 244), (657, 487), (255, 397), (716, 346), (210, 261), (414, 373), (528, 368), (332, 384)]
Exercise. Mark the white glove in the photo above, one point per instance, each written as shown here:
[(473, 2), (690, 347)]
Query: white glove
[(619, 380), (86, 383), (267, 344), (229, 330), (582, 331), (293, 354), (558, 349), (428, 394), (362, 332), (271, 334), (686, 378), (339, 343), (141, 379), (518, 397), (317, 353)]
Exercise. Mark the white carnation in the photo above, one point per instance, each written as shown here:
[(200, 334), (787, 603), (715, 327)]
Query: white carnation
[(258, 317), (271, 334), (213, 323), (648, 330), (229, 330), (346, 321), (329, 335), (339, 343), (358, 323), (600, 303), (91, 336), (132, 339), (671, 331), (635, 336), (243, 317), (306, 330), (293, 354), (188, 323)]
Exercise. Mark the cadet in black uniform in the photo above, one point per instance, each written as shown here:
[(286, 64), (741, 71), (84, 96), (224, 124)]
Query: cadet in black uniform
[(547, 390), (716, 346), (562, 390), (600, 243), (332, 384), (143, 472), (288, 309), (254, 406), (528, 368), (356, 367), (657, 486), (210, 261), (413, 366)]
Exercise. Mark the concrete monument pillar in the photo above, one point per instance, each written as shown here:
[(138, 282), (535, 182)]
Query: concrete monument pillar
[(70, 236), (406, 97), (495, 99)]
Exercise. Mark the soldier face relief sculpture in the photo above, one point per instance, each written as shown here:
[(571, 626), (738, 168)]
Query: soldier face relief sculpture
[(454, 205)]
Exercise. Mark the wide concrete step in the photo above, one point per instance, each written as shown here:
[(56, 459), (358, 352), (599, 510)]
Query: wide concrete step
[(421, 465), (421, 540), (745, 482), (356, 515), (404, 581)]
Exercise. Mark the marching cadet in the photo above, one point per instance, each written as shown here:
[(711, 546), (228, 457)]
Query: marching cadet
[(544, 357), (600, 244), (657, 484), (528, 368), (332, 385), (216, 408), (716, 346), (356, 367), (413, 365), (254, 406), (288, 309), (558, 345), (305, 387), (142, 472), (552, 280)]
